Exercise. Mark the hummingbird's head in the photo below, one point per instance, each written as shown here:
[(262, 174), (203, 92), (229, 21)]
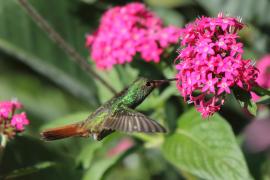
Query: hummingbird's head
[(142, 87)]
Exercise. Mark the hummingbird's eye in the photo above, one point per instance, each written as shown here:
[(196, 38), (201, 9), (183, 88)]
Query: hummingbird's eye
[(148, 83)]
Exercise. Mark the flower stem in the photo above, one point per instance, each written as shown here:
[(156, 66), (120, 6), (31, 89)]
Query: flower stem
[(59, 40)]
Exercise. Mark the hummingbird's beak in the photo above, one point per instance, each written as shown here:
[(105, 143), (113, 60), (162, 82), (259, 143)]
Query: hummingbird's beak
[(158, 83)]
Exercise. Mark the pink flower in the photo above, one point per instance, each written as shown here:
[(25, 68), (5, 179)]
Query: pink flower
[(10, 122), (19, 121), (205, 47), (236, 48), (168, 35), (224, 86), (222, 43), (210, 84), (125, 31), (208, 108), (264, 77), (122, 146), (256, 135), (7, 107), (210, 62)]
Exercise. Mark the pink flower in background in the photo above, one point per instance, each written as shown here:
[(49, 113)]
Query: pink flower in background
[(127, 30), (122, 146), (256, 135), (264, 77), (6, 108), (19, 121), (210, 62), (10, 122)]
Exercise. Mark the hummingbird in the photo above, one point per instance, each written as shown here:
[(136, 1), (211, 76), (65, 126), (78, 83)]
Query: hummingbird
[(117, 114)]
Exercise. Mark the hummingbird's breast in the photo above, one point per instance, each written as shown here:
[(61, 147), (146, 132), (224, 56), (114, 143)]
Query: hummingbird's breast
[(95, 119)]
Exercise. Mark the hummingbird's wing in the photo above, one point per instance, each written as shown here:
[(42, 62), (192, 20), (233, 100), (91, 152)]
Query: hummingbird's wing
[(129, 120)]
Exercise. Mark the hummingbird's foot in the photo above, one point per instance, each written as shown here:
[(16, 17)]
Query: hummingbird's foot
[(95, 136), (100, 135)]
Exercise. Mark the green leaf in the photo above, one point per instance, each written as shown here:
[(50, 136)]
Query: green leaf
[(87, 154), (25, 151), (103, 162), (170, 17), (261, 91), (99, 168), (265, 100), (245, 101), (29, 170), (265, 168), (33, 47), (113, 77), (72, 118), (168, 3), (252, 108), (89, 1), (120, 76), (248, 9), (205, 148), (156, 100)]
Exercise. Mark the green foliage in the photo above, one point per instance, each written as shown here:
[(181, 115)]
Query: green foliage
[(40, 100), (205, 148), (248, 9), (73, 118), (86, 156), (168, 3), (27, 154), (29, 170), (31, 46), (99, 168)]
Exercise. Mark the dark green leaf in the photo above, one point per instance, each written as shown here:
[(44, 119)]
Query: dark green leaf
[(23, 152), (261, 91), (245, 101), (89, 1)]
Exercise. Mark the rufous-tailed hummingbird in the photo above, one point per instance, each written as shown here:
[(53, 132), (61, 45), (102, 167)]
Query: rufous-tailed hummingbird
[(117, 114)]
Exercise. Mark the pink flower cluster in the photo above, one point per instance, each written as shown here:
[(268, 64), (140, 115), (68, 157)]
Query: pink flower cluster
[(121, 147), (263, 79), (210, 63), (9, 121), (127, 30)]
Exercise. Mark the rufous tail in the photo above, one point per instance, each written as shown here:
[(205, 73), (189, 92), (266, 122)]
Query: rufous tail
[(63, 132)]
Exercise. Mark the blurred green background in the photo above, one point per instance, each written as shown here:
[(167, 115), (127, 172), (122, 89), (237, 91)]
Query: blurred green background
[(54, 91)]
